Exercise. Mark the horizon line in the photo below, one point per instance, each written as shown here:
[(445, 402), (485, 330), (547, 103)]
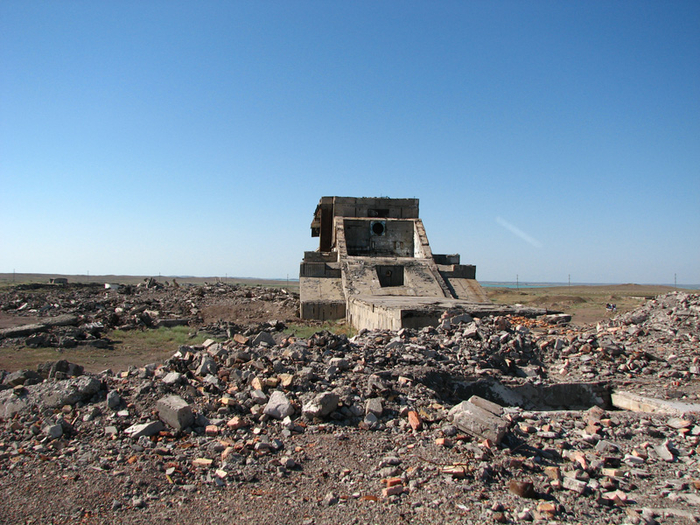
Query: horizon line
[(515, 283)]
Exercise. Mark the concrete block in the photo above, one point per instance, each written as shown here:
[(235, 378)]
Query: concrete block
[(175, 412), (637, 403), (478, 422), (574, 485), (494, 408)]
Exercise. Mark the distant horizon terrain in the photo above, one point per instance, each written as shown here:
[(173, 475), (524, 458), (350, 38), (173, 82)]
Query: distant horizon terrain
[(19, 278)]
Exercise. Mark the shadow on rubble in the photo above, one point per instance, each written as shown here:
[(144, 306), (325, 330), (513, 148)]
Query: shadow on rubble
[(453, 388)]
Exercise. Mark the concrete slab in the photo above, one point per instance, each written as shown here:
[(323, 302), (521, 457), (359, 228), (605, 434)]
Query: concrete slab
[(638, 403), (478, 422)]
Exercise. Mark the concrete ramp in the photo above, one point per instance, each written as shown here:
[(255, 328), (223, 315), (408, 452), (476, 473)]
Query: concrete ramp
[(468, 290)]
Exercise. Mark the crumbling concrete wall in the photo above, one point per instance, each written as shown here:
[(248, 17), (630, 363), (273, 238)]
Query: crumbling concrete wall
[(372, 248)]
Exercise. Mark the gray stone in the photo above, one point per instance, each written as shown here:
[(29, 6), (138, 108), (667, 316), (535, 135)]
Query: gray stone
[(374, 406), (371, 420), (206, 367), (321, 405), (279, 406), (494, 408), (175, 412), (340, 363), (637, 403), (258, 397), (172, 378), (217, 350), (606, 447), (59, 369), (27, 329), (113, 399), (330, 499), (471, 332), (201, 420), (211, 379), (461, 318), (263, 339), (144, 429), (53, 431), (50, 394), (664, 452), (22, 377)]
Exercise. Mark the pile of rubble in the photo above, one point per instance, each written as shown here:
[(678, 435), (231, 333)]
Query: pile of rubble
[(654, 348), (477, 420), (82, 314)]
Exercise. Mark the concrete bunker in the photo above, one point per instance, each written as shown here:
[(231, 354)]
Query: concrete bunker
[(374, 267)]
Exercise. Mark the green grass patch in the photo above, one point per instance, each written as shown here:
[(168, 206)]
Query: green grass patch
[(162, 338)]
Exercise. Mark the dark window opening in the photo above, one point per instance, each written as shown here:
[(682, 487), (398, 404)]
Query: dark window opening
[(377, 227), (390, 276)]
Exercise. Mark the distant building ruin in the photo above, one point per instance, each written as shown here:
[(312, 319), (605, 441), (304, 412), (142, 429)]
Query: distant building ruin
[(375, 268)]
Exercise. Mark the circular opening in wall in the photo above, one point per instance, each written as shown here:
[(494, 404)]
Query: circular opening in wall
[(378, 228)]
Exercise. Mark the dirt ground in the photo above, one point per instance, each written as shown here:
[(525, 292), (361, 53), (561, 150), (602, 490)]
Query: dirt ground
[(586, 304), (253, 312)]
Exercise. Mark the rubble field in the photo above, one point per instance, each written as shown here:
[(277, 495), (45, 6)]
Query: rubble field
[(478, 420)]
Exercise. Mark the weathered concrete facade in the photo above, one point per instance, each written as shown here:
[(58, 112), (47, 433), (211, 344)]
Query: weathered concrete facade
[(374, 266)]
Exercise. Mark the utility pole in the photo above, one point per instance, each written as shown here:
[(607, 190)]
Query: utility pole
[(569, 280), (675, 282), (517, 282)]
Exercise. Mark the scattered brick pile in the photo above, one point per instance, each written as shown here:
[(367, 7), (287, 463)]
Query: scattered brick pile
[(410, 426)]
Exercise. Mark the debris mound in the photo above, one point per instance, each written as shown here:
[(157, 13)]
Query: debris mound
[(499, 419)]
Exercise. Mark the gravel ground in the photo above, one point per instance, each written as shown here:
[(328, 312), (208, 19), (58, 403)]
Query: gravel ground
[(367, 430)]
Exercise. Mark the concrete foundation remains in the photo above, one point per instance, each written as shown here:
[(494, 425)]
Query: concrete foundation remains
[(374, 267)]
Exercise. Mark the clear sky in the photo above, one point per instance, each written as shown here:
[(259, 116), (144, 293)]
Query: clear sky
[(543, 139)]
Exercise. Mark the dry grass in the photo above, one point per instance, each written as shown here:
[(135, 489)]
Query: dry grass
[(585, 303)]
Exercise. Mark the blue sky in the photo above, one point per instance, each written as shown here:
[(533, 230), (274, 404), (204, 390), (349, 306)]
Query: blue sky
[(543, 139)]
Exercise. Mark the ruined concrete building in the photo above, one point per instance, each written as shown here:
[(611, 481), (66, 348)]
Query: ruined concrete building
[(375, 268)]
